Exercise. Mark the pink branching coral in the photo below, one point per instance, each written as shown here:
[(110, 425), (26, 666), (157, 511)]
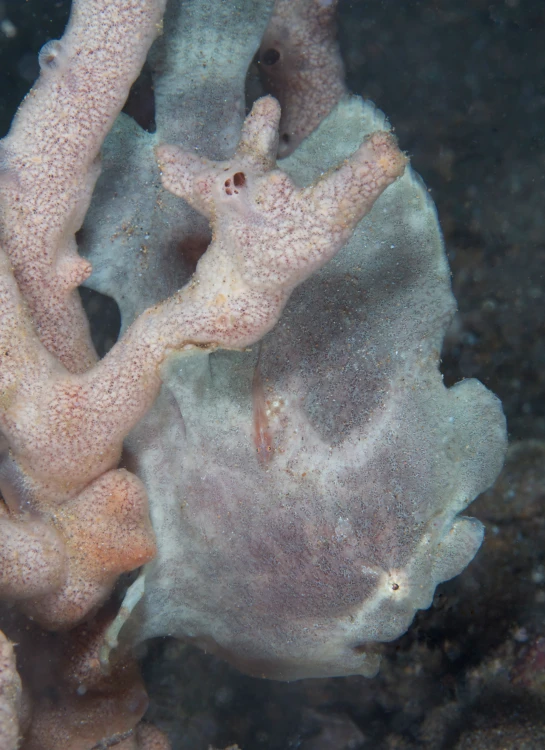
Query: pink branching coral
[(69, 701), (72, 521), (301, 65), (268, 235)]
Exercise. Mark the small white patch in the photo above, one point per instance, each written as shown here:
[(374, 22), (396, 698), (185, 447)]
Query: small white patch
[(8, 28), (343, 529)]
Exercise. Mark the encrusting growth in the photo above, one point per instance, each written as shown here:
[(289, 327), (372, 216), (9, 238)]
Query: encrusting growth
[(49, 161), (329, 518), (268, 234), (74, 702), (72, 521), (301, 66)]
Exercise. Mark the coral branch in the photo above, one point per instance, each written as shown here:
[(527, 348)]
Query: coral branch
[(333, 541), (49, 161), (106, 532), (78, 707), (269, 235), (32, 558), (301, 66)]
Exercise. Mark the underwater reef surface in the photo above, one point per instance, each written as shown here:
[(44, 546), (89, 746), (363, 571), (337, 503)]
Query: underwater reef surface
[(463, 85)]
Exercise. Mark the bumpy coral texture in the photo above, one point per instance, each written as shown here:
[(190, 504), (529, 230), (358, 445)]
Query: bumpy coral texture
[(305, 498), (106, 532), (70, 523), (300, 64), (268, 235), (76, 705), (313, 492), (49, 161)]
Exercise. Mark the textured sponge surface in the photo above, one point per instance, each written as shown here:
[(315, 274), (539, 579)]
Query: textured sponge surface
[(293, 565)]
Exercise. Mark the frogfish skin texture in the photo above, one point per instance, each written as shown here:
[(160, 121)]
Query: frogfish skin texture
[(295, 566)]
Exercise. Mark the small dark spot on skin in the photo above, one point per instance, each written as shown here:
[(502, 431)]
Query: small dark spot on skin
[(239, 179), (270, 56), (361, 649), (285, 138), (395, 586)]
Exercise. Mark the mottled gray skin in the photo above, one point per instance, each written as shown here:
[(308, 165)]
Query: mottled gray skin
[(294, 568)]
